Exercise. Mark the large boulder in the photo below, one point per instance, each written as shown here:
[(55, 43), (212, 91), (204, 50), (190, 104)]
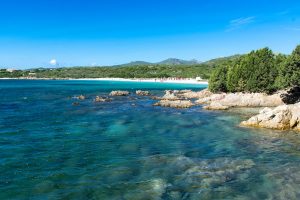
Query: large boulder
[(292, 96), (241, 100), (175, 104), (284, 117), (189, 94), (119, 93), (170, 95)]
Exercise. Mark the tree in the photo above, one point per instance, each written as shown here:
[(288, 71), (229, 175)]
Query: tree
[(261, 71), (217, 81), (289, 73), (253, 72)]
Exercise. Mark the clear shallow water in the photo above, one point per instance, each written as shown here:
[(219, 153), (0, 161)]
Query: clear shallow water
[(128, 149)]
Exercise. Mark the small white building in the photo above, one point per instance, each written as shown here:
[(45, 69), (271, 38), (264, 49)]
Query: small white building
[(199, 78)]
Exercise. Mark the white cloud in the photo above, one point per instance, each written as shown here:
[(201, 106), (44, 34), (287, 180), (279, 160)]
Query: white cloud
[(237, 23), (53, 62)]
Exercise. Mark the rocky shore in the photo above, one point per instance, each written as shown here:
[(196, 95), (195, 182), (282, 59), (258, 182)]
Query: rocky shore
[(285, 117), (274, 113)]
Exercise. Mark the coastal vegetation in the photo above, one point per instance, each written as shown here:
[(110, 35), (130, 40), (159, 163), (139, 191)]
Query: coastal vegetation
[(169, 68), (258, 71)]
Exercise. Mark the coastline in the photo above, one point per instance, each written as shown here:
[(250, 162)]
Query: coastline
[(150, 80)]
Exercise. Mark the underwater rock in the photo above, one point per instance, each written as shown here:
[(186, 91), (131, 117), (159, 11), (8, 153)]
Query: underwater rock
[(152, 189), (142, 93), (175, 103), (192, 178), (283, 117), (75, 103), (119, 93), (102, 99)]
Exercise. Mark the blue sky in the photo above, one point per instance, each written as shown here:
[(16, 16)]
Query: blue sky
[(108, 32)]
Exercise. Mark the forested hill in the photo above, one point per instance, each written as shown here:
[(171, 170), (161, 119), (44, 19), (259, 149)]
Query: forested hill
[(140, 69)]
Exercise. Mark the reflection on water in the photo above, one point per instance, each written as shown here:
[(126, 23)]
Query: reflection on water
[(128, 149)]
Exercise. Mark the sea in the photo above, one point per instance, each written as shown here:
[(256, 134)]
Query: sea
[(54, 146)]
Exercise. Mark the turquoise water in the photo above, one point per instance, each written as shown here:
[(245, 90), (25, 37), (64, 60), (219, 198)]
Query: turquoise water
[(127, 149)]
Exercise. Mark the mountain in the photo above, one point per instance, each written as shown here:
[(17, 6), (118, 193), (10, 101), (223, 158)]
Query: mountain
[(135, 63), (175, 61), (169, 61), (221, 60)]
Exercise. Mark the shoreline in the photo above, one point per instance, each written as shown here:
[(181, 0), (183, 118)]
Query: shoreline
[(150, 80)]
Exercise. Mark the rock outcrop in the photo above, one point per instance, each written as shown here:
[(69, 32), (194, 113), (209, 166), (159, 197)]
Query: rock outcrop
[(189, 94), (240, 100), (80, 97), (170, 95), (184, 94), (175, 103), (142, 93), (102, 99), (216, 106), (285, 117), (119, 93)]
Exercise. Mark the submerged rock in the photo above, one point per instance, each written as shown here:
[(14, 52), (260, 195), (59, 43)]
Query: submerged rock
[(152, 189), (192, 178), (75, 103), (283, 117), (175, 103), (142, 93), (119, 93), (102, 99)]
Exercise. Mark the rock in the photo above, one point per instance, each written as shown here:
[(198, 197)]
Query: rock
[(216, 106), (217, 101), (209, 99), (151, 189), (175, 104), (284, 117), (170, 95), (80, 97), (101, 99), (192, 94), (76, 104), (119, 93), (292, 96), (142, 93)]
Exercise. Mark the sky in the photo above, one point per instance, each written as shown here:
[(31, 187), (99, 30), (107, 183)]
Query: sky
[(45, 33)]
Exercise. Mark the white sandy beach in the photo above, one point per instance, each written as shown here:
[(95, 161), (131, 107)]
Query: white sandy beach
[(150, 80)]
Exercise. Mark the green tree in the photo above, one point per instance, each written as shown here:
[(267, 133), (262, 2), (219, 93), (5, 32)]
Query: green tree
[(217, 81), (289, 73), (261, 71)]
